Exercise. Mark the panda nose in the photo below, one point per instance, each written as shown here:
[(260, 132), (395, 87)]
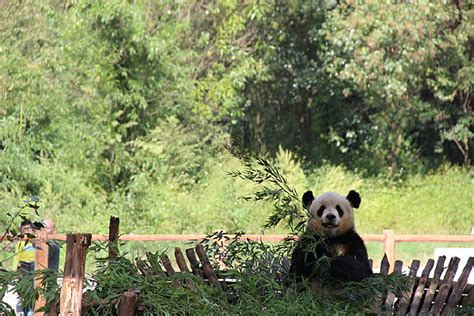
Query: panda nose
[(330, 217)]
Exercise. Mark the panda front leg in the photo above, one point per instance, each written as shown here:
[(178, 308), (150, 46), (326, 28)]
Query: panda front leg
[(347, 268)]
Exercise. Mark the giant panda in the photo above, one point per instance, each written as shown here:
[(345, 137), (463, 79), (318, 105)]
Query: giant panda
[(330, 236)]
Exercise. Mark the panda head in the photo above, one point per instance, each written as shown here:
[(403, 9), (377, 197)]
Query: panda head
[(331, 214)]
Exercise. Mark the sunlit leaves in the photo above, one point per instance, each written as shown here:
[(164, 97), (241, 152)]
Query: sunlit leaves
[(393, 57)]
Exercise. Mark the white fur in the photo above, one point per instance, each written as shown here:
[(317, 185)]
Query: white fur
[(331, 226)]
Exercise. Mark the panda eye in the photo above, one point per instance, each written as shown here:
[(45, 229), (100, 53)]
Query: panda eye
[(339, 210), (321, 210)]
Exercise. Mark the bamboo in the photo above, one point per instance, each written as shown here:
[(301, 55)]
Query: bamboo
[(190, 237)]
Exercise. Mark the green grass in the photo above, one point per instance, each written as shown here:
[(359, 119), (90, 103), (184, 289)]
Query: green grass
[(437, 203)]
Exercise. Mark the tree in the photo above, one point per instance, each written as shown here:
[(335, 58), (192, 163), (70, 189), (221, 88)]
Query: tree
[(390, 58)]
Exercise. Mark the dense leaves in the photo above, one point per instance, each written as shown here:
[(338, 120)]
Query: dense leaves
[(393, 59), (124, 107)]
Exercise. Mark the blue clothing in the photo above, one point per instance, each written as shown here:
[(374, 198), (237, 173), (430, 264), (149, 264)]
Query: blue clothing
[(53, 255)]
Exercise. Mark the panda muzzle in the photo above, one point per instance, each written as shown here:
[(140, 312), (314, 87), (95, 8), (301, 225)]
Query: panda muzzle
[(329, 225)]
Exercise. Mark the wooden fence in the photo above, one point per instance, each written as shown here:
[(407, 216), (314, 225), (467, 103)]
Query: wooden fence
[(388, 238), (77, 245)]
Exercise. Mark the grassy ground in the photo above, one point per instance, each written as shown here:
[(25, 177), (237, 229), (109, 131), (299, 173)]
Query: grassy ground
[(417, 205)]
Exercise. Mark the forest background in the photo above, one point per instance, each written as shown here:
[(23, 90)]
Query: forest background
[(125, 107)]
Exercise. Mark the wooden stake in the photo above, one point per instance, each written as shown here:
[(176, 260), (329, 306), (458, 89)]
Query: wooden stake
[(384, 265), (404, 304), (165, 260), (445, 286), (74, 270), (128, 303), (193, 261), (420, 289), (430, 293), (206, 267), (458, 289), (113, 237), (178, 254), (397, 269)]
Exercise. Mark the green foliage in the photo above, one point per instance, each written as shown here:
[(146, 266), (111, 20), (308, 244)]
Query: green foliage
[(274, 188), (120, 108), (123, 108), (22, 285), (400, 67), (257, 284)]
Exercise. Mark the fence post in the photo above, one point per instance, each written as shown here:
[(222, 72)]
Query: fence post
[(113, 236), (128, 303), (74, 270), (389, 247), (41, 262)]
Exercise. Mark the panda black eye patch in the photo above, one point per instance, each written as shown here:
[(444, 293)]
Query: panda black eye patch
[(339, 210), (321, 210)]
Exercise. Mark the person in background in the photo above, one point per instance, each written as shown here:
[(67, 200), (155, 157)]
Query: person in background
[(24, 260), (53, 246)]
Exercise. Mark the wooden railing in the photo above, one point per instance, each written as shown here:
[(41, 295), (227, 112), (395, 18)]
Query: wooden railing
[(388, 238)]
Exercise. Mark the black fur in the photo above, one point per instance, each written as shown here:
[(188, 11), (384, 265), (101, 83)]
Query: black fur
[(351, 266), (354, 198), (308, 197)]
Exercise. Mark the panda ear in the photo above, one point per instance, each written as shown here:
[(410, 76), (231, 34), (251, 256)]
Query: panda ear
[(354, 198), (308, 197)]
